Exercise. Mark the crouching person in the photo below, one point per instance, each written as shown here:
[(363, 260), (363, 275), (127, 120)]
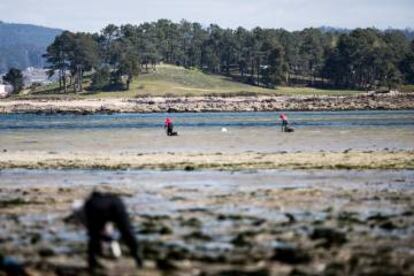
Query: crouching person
[(96, 213)]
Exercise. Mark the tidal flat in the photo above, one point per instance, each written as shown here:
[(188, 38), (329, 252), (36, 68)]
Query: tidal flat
[(265, 222), (231, 195)]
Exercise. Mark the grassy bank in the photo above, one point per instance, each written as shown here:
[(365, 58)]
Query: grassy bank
[(169, 80)]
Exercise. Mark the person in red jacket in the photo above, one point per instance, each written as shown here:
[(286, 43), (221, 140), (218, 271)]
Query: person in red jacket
[(285, 122), (168, 125)]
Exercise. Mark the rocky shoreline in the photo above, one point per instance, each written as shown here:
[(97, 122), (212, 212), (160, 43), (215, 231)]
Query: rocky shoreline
[(210, 104)]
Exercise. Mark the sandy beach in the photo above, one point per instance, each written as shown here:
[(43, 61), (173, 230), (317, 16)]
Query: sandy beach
[(218, 161)]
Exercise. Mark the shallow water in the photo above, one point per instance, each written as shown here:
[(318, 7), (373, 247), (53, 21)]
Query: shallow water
[(201, 132)]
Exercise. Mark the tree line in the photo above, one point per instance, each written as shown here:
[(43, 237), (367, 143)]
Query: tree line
[(359, 59)]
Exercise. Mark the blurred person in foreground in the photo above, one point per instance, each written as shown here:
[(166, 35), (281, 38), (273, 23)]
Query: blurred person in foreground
[(100, 213)]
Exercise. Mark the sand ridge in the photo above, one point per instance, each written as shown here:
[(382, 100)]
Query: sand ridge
[(219, 161)]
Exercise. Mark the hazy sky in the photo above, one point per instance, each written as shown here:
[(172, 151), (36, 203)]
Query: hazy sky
[(93, 15)]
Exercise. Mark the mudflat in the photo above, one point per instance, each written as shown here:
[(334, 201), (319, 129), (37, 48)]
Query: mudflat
[(334, 197), (272, 222)]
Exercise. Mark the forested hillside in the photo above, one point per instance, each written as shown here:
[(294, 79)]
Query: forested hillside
[(355, 59), (319, 57), (23, 45)]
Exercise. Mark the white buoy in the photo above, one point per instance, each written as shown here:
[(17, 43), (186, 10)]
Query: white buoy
[(223, 129)]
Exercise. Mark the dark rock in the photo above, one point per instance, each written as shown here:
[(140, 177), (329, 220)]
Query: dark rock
[(382, 221), (329, 236), (165, 264), (178, 198), (348, 218), (329, 209), (177, 253), (301, 272), (388, 225), (155, 217), (240, 272), (198, 235), (151, 227), (290, 255), (195, 210), (35, 238), (378, 217), (290, 217), (192, 222), (165, 230), (230, 217), (189, 168), (258, 222), (335, 268), (12, 202), (46, 252), (243, 239), (407, 213)]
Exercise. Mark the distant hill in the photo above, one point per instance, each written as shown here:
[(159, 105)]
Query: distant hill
[(22, 45)]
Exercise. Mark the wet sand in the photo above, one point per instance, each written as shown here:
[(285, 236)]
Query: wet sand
[(202, 133), (283, 222), (208, 140)]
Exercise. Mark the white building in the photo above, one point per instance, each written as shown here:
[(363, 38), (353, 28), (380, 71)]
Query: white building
[(5, 90)]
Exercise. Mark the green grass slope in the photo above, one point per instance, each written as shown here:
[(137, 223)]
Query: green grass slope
[(169, 80)]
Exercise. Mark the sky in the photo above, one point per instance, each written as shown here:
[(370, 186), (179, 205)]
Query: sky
[(93, 15)]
